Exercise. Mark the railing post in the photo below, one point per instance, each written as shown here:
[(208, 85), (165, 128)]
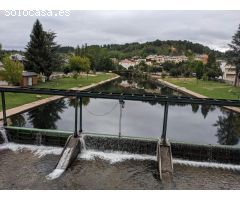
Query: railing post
[(164, 130), (121, 103), (4, 109), (76, 118), (80, 110)]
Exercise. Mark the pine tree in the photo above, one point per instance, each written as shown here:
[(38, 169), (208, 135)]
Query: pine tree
[(233, 56), (41, 52)]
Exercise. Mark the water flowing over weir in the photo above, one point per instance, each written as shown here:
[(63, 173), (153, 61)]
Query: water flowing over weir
[(108, 149), (3, 135)]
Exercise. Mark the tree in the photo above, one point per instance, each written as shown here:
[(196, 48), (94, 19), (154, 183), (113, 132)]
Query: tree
[(1, 52), (41, 52), (13, 71), (77, 51), (79, 64), (233, 56), (212, 68), (198, 69)]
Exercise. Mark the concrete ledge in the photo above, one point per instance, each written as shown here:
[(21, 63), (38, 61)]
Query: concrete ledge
[(37, 136), (194, 152), (187, 151), (69, 153), (164, 158)]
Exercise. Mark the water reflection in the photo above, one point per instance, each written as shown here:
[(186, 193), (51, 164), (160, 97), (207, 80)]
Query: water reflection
[(18, 120), (228, 129), (46, 116), (85, 101), (187, 123)]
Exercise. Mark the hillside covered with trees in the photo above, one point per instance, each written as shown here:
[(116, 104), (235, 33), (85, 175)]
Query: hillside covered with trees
[(128, 50)]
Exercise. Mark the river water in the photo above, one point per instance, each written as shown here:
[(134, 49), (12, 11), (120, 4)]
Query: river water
[(27, 167), (186, 123)]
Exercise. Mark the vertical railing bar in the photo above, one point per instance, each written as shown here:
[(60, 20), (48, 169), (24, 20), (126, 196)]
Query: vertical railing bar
[(4, 109), (165, 118), (76, 117), (121, 104), (80, 111)]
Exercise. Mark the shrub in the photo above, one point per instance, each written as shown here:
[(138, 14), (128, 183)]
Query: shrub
[(12, 72)]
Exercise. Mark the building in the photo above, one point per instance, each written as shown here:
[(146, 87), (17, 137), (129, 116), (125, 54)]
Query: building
[(202, 57), (17, 57), (127, 63), (229, 71), (29, 79)]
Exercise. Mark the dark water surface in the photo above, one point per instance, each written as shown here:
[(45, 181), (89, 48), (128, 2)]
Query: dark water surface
[(186, 123), (24, 170)]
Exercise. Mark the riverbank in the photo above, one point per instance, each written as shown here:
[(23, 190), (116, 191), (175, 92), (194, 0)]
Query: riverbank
[(45, 99), (178, 86), (211, 89)]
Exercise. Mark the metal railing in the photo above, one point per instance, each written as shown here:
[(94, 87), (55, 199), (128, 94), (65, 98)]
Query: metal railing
[(118, 96)]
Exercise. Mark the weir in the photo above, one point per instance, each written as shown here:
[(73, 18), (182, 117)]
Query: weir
[(162, 149)]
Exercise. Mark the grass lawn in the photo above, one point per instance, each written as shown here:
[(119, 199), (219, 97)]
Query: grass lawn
[(18, 99), (210, 89)]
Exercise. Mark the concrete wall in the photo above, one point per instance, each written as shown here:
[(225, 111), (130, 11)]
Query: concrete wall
[(211, 153), (220, 154), (38, 138), (1, 139)]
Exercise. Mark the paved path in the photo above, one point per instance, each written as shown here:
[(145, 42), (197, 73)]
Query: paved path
[(29, 106), (194, 94)]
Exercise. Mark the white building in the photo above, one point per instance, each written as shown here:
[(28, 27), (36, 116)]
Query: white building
[(229, 72), (127, 63)]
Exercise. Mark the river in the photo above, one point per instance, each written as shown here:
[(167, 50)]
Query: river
[(186, 123)]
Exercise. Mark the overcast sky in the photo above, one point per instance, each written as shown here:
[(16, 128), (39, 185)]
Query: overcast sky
[(212, 28)]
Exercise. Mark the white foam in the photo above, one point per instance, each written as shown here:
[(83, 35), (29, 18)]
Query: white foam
[(113, 156), (116, 156), (82, 141), (36, 150), (55, 174), (206, 164), (4, 135)]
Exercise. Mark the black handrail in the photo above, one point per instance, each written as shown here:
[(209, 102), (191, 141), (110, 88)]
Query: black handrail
[(125, 96)]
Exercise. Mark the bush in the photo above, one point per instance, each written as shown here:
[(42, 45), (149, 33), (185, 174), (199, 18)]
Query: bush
[(66, 70), (75, 75), (13, 71), (205, 77), (163, 75)]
